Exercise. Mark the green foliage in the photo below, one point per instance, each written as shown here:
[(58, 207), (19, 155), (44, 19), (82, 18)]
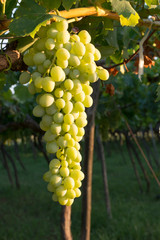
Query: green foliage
[(67, 4), (29, 18), (50, 4), (128, 16)]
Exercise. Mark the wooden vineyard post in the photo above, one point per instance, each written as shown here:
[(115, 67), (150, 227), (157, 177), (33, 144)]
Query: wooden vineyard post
[(88, 164), (66, 223)]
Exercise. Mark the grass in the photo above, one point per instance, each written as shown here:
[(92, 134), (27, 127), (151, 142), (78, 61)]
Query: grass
[(30, 214)]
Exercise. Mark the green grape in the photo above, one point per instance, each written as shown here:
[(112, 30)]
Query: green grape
[(81, 131), (31, 88), (87, 89), (77, 146), (69, 182), (52, 147), (38, 82), (88, 101), (62, 142), (79, 97), (78, 158), (54, 163), (54, 197), (70, 194), (77, 192), (38, 111), (67, 136), (68, 84), (58, 117), (67, 96), (28, 59), (46, 100), (58, 92), (78, 48), (50, 44), (77, 175), (64, 171), (74, 61), (43, 126), (75, 114), (56, 128), (47, 63), (68, 107), (61, 191), (88, 57), (75, 38), (64, 163), (57, 74), (62, 64), (51, 33), (47, 84), (69, 202), (47, 120), (60, 103), (39, 58), (47, 176), (55, 171), (63, 54), (74, 73), (62, 37), (24, 77), (56, 180), (41, 69), (77, 87), (49, 136), (67, 46), (63, 200), (71, 152), (84, 36), (81, 122), (65, 127), (97, 55), (68, 119), (90, 48), (50, 187), (62, 25), (35, 75), (103, 74), (78, 184), (79, 107), (71, 142), (51, 109), (40, 44)]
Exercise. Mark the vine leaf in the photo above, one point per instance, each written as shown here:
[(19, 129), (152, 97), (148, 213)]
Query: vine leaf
[(67, 4), (128, 16), (151, 3), (29, 18), (50, 4)]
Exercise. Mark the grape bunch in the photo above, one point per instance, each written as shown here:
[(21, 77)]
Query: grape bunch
[(64, 66)]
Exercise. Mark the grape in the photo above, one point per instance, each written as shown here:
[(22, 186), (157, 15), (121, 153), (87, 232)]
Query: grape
[(24, 77), (38, 111), (52, 147), (46, 100), (78, 48), (62, 54), (84, 36), (47, 84), (50, 44), (57, 74), (39, 58), (64, 66), (69, 182), (68, 84), (103, 74)]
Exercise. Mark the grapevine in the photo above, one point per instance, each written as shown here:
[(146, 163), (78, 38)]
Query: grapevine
[(64, 66)]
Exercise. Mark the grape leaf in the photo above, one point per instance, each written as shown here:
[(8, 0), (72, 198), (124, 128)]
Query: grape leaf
[(50, 4), (29, 18), (10, 5), (128, 16), (25, 43), (22, 93), (67, 4), (151, 2)]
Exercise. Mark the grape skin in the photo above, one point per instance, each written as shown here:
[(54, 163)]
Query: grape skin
[(64, 68)]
